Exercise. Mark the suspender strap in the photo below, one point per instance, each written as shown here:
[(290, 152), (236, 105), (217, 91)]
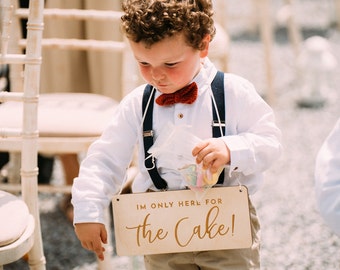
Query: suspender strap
[(150, 162), (217, 87)]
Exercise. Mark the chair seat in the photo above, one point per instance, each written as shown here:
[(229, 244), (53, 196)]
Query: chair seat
[(60, 113), (24, 241), (14, 216)]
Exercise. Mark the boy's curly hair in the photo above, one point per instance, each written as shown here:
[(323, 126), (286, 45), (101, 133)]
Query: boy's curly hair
[(150, 21)]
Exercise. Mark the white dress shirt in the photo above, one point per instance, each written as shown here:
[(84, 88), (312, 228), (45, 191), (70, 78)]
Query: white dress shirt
[(251, 135), (327, 179)]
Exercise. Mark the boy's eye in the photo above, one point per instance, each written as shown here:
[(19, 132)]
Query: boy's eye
[(170, 64), (144, 64)]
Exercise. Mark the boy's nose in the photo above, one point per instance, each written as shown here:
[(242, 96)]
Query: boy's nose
[(156, 74)]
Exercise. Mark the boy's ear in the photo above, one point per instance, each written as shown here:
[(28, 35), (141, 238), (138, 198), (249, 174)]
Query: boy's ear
[(205, 42)]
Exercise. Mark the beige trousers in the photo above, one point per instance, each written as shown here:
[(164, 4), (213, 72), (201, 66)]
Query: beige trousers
[(235, 259)]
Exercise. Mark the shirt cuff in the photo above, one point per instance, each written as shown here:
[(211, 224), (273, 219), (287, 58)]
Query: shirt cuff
[(240, 154), (87, 213)]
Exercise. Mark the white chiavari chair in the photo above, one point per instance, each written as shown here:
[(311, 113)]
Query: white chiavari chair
[(69, 122), (20, 231)]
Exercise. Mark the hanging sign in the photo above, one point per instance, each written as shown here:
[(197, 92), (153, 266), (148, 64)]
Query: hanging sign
[(175, 221)]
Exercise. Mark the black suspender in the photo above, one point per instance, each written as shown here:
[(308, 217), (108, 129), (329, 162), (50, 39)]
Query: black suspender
[(150, 162), (217, 86)]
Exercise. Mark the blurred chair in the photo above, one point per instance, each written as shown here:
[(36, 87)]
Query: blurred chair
[(263, 20), (20, 231), (61, 131), (337, 12), (220, 45), (68, 122), (264, 10)]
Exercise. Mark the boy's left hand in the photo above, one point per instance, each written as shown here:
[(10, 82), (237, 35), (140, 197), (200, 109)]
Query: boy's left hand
[(214, 153)]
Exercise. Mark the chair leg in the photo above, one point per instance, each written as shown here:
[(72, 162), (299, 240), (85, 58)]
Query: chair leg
[(14, 165), (294, 31), (263, 7), (337, 12), (36, 258), (70, 166)]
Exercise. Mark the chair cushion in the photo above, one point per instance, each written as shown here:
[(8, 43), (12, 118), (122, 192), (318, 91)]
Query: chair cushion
[(14, 216), (64, 114)]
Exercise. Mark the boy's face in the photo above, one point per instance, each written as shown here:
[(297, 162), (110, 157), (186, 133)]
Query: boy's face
[(169, 64)]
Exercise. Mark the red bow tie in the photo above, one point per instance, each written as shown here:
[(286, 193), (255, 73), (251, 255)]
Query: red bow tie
[(187, 95)]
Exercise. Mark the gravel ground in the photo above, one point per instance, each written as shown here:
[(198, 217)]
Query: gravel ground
[(293, 234)]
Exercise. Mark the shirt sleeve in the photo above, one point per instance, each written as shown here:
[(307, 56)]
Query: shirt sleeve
[(103, 171), (327, 179), (252, 136)]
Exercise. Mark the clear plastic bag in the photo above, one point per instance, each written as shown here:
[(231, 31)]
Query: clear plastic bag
[(174, 148)]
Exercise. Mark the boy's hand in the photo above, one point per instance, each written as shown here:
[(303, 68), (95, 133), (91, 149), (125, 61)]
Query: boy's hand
[(214, 153), (91, 237)]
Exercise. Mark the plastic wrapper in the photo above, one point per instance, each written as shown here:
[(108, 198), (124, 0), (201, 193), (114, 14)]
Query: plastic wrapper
[(174, 148)]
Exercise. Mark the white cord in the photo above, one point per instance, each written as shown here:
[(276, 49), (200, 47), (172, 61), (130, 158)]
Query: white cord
[(217, 113), (146, 108)]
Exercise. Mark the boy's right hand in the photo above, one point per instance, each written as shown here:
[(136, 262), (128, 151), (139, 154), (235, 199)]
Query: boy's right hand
[(91, 237)]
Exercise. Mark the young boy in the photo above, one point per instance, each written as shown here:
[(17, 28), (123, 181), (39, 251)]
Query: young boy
[(170, 41)]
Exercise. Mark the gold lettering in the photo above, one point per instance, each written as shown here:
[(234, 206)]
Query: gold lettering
[(142, 232), (213, 201), (141, 206), (210, 229), (188, 203), (193, 203), (165, 205), (176, 234)]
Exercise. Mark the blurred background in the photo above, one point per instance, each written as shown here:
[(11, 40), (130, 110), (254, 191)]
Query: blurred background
[(290, 51)]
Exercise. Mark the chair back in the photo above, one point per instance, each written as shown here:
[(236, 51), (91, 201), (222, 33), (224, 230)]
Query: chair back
[(84, 50), (26, 91)]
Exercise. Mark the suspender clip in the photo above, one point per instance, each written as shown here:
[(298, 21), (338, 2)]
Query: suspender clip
[(218, 124), (148, 133)]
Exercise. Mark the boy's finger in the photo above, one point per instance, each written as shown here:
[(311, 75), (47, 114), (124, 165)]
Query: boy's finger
[(98, 249), (103, 236), (100, 254), (85, 245), (198, 148)]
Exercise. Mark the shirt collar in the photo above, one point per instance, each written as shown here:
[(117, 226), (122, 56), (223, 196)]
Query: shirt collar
[(206, 75)]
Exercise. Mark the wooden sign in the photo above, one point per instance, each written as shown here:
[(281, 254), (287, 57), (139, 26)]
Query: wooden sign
[(175, 221)]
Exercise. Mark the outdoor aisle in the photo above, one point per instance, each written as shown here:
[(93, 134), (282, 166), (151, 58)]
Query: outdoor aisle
[(294, 236)]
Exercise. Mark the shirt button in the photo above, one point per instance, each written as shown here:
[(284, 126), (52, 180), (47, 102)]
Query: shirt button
[(180, 115)]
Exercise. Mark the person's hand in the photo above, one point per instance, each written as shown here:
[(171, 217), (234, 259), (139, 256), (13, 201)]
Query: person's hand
[(213, 153), (91, 237)]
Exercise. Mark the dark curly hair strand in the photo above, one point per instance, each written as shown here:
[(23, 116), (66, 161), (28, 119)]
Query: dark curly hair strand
[(150, 21)]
